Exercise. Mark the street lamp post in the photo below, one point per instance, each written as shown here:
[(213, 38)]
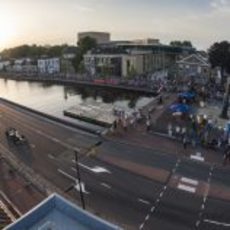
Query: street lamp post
[(80, 186), (79, 179)]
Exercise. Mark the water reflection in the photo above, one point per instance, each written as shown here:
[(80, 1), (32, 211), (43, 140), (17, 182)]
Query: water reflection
[(108, 96), (53, 99)]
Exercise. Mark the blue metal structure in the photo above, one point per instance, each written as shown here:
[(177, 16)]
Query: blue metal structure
[(57, 213)]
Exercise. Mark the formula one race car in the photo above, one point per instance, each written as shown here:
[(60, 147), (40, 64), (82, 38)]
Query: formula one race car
[(15, 136)]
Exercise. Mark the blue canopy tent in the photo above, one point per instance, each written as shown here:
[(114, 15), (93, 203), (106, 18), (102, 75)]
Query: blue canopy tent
[(179, 108), (187, 95)]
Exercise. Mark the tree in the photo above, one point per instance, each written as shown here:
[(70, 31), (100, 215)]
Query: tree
[(224, 112), (181, 43), (84, 45), (219, 56), (33, 51)]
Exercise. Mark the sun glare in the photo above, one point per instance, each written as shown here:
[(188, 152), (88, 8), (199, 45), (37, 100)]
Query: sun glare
[(7, 29)]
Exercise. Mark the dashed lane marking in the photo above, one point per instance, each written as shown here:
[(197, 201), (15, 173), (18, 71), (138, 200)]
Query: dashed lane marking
[(147, 218), (141, 226), (32, 146), (51, 156), (217, 223), (202, 208), (67, 175), (161, 194), (106, 185), (144, 201)]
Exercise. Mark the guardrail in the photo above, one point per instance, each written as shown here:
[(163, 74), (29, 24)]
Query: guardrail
[(53, 118)]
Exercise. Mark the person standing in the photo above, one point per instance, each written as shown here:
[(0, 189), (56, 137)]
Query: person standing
[(147, 125), (185, 142)]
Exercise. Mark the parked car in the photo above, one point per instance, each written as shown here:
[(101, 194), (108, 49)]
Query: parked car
[(14, 135)]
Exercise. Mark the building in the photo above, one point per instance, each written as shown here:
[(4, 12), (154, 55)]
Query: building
[(140, 57), (147, 41), (4, 65), (194, 65), (100, 37), (49, 65), (56, 213), (117, 62), (69, 52), (68, 55)]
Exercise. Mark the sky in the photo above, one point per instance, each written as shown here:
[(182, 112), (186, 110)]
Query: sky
[(58, 21)]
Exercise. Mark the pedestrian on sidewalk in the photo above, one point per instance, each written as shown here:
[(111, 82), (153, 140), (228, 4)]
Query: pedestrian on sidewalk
[(125, 125), (147, 125), (226, 155), (115, 124), (185, 142)]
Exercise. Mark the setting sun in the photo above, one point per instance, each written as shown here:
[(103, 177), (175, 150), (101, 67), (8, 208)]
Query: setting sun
[(7, 29)]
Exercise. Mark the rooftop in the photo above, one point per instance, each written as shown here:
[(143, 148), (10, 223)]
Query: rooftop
[(57, 213)]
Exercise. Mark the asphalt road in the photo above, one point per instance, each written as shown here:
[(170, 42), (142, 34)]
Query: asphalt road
[(131, 186)]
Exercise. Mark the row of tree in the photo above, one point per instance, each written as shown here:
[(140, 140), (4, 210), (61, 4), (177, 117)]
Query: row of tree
[(219, 56), (33, 51)]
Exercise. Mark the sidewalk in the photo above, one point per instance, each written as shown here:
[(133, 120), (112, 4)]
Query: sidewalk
[(21, 194), (138, 136)]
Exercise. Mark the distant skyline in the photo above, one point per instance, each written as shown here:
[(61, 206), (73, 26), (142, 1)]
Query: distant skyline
[(58, 21)]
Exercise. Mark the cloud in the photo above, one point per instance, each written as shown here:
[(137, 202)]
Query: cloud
[(220, 5), (84, 8)]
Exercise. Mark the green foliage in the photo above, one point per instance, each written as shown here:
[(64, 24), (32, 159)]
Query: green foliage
[(219, 56), (84, 45), (33, 51), (181, 43)]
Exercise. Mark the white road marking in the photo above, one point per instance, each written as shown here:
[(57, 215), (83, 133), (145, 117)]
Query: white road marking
[(67, 175), (189, 181), (217, 223), (147, 217), (152, 209), (77, 187), (197, 158), (197, 223), (96, 169), (186, 188), (55, 139), (161, 194), (141, 226), (32, 146), (204, 199), (106, 185), (51, 156), (144, 201)]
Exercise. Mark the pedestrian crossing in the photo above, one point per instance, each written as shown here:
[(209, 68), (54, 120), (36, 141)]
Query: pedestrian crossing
[(188, 184)]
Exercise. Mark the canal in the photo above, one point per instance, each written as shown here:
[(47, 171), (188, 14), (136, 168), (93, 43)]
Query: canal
[(53, 99)]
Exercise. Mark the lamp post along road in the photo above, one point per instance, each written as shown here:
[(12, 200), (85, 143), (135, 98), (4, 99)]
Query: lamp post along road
[(79, 179)]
